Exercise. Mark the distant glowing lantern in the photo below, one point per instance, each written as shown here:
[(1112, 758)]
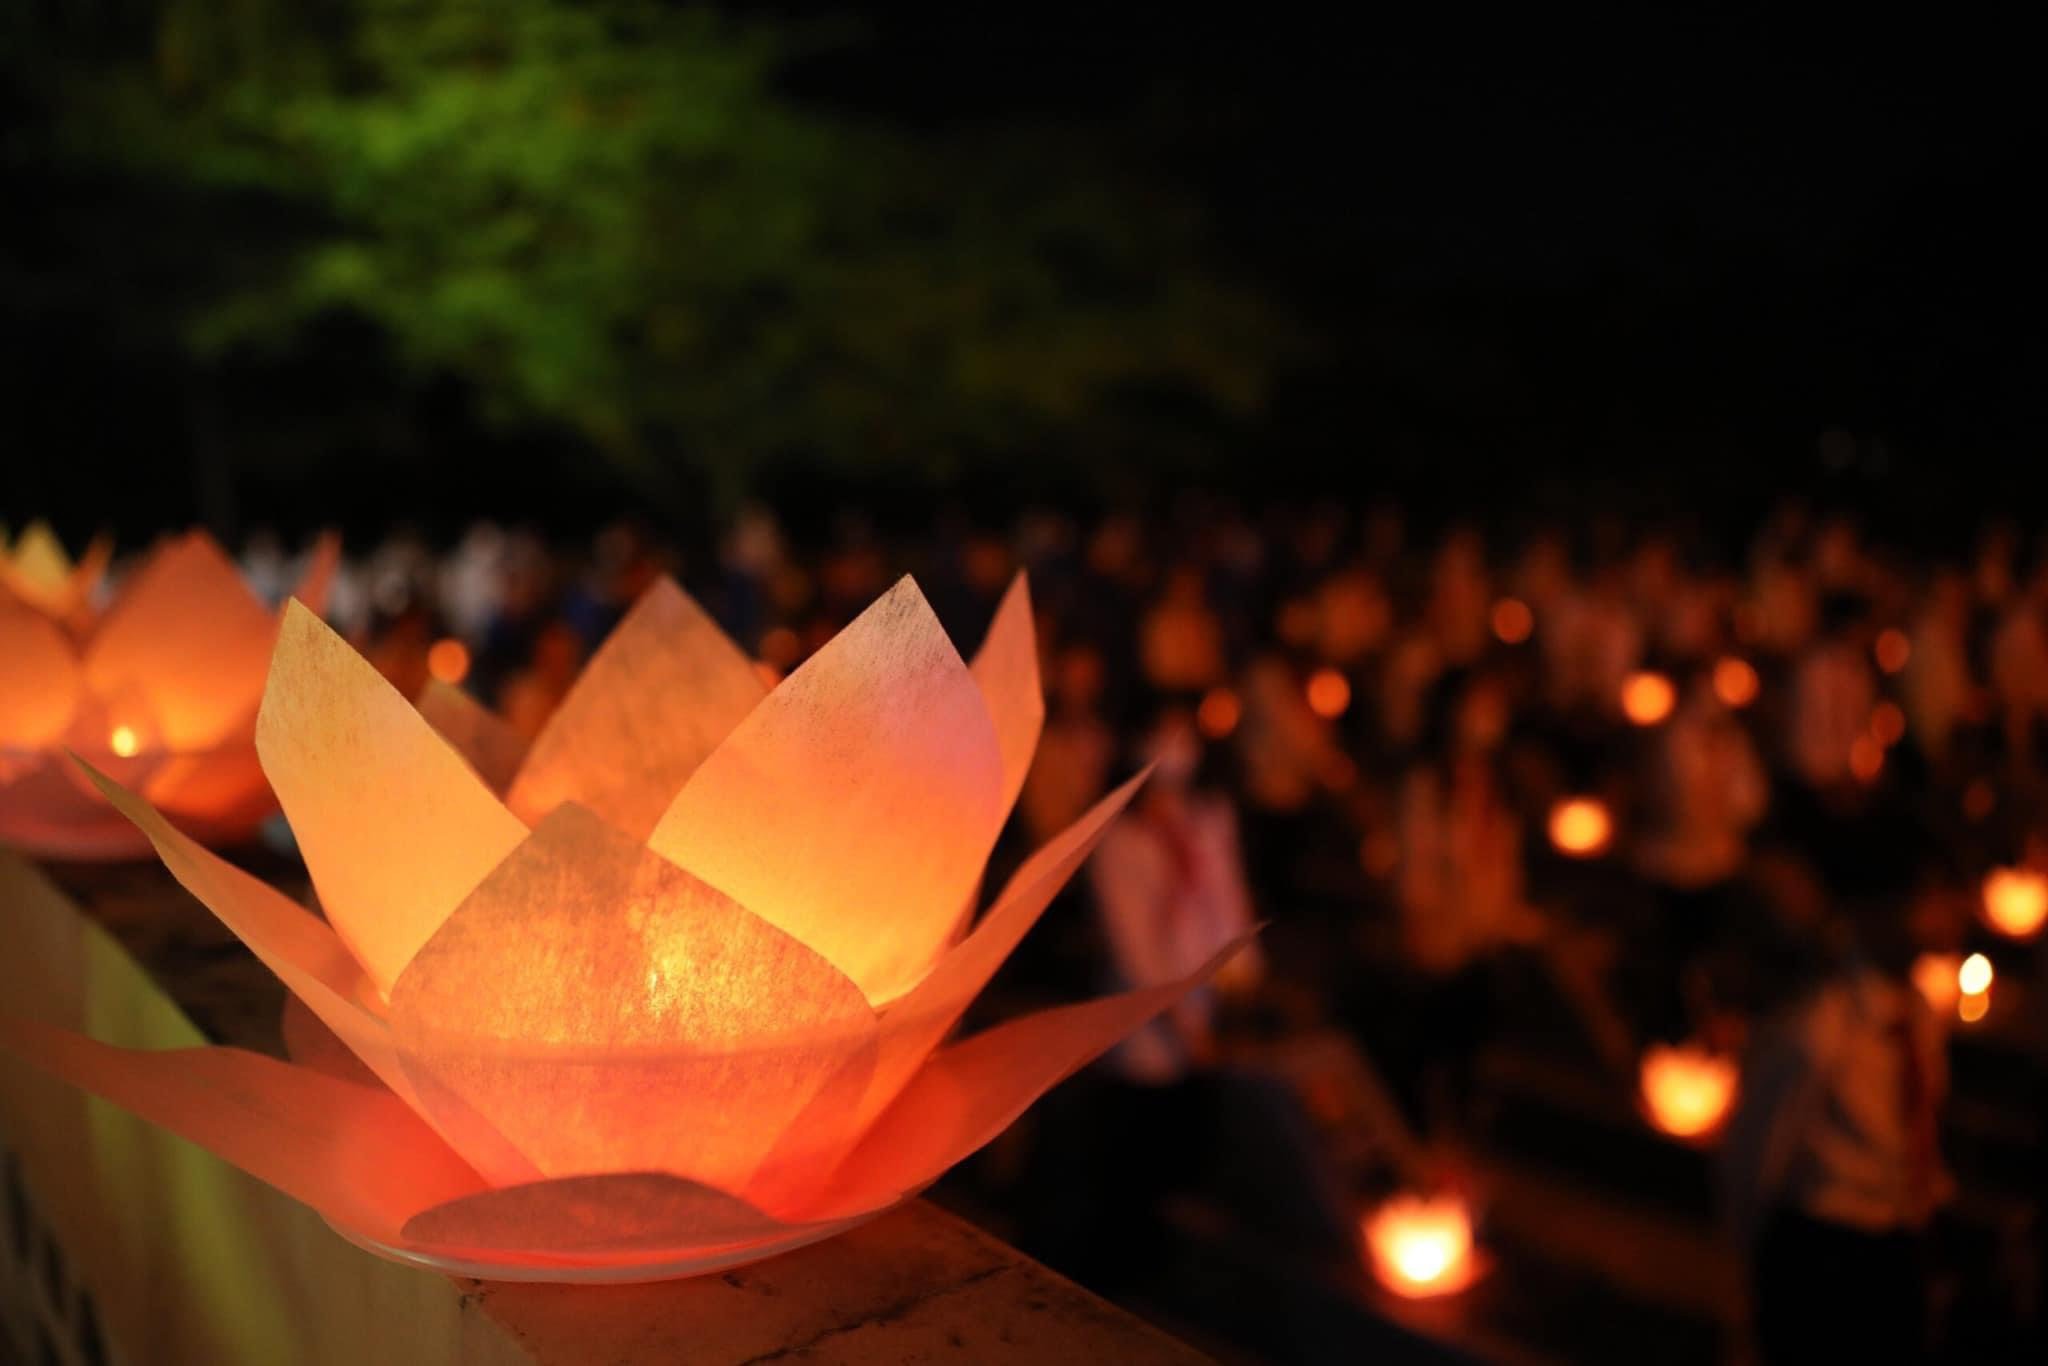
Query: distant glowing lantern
[(1735, 681), (1420, 1246), (1513, 622), (1937, 975), (1887, 723), (1687, 1090), (36, 574), (162, 685), (1581, 827), (674, 928), (1892, 649), (1219, 713), (1973, 978), (1973, 1008), (2016, 901), (1329, 694), (448, 660), (1647, 698)]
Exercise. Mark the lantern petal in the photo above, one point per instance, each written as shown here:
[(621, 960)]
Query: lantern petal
[(308, 1042), (395, 827), (1006, 671), (493, 748), (355, 1154), (658, 696), (607, 1011), (188, 637), (972, 1091), (856, 805), (595, 1217), (318, 580), (39, 686)]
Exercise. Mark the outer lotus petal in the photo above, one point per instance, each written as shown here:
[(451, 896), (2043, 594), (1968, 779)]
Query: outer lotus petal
[(856, 805), (607, 1011), (309, 1043), (1006, 671), (48, 810), (973, 1091), (595, 1217), (39, 683), (318, 580), (355, 1154), (660, 694), (40, 575), (187, 635), (395, 827), (493, 748)]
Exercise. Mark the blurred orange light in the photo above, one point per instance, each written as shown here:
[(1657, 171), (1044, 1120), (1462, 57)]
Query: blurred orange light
[(1512, 621), (1687, 1090), (1935, 974), (2016, 901), (1973, 978), (1735, 681), (1218, 715), (448, 660), (1421, 1246), (1866, 758), (1580, 827), (1647, 698), (1974, 1008), (1893, 649), (124, 741), (1887, 723), (1328, 694)]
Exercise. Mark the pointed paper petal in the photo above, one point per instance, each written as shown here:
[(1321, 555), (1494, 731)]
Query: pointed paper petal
[(493, 748), (318, 580), (607, 1011), (395, 828), (39, 681), (855, 806), (309, 1043), (356, 1155), (974, 1090), (659, 695), (593, 1216), (1006, 671), (187, 635)]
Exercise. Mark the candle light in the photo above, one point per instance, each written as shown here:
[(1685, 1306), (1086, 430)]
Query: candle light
[(1421, 1246), (1735, 681), (1513, 622), (1218, 715), (2016, 901), (1580, 827), (1647, 698), (1686, 1090), (1329, 694)]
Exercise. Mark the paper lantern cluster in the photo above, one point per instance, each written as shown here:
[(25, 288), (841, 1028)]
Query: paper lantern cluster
[(666, 990)]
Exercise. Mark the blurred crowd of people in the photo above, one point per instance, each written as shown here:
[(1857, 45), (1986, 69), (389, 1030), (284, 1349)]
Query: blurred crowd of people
[(1699, 792)]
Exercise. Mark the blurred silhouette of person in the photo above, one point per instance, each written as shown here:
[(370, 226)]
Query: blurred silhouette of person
[(1833, 692), (1070, 771), (1831, 1162), (1938, 685), (1180, 638)]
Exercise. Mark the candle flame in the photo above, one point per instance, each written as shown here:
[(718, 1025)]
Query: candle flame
[(1421, 1246), (124, 741), (1647, 698), (448, 661), (2016, 901), (1735, 681), (1580, 827), (1512, 621), (1218, 715), (1974, 977), (1328, 694), (1687, 1090)]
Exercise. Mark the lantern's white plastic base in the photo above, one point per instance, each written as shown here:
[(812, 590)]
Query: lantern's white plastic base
[(627, 1269)]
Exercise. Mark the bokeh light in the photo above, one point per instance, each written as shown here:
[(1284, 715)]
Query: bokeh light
[(1513, 622), (1647, 697), (1329, 694), (1581, 827), (1735, 681)]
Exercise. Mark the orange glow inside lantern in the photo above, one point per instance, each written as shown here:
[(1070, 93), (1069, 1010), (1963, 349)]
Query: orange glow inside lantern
[(2016, 901), (1647, 697), (1329, 694), (124, 741), (1936, 976), (1975, 975), (1735, 681), (448, 661), (1686, 1090), (1421, 1246), (1581, 827), (1513, 622), (1219, 713), (1892, 649)]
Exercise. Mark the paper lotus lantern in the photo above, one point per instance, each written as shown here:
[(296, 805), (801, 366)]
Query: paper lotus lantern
[(36, 574), (1687, 1091), (676, 1000), (159, 691), (2016, 901), (1421, 1246)]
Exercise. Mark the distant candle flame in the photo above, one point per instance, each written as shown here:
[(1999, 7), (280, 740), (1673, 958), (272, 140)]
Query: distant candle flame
[(1687, 1090), (1973, 978), (1935, 974), (124, 741), (1647, 698), (1328, 694), (448, 661), (1512, 621), (2016, 901), (1219, 713), (1580, 827), (1893, 649), (1735, 681), (1420, 1246)]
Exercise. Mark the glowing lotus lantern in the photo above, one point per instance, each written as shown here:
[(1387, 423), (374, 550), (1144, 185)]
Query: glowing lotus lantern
[(160, 691), (1421, 1246), (676, 1000), (35, 573), (2016, 901), (1686, 1090), (1580, 827)]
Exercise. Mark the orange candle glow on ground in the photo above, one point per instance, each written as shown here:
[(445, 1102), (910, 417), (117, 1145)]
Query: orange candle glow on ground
[(1581, 827), (1687, 1090), (1735, 681), (2016, 901), (1647, 697), (1329, 694), (1421, 1246), (1219, 713), (1935, 974), (1513, 622), (448, 660), (1892, 649)]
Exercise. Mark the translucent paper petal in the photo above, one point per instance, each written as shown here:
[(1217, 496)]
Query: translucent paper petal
[(660, 694), (395, 827), (596, 1217), (493, 748), (855, 806), (607, 1011), (39, 679), (974, 1090), (1006, 671), (356, 1155), (309, 1043), (188, 636)]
